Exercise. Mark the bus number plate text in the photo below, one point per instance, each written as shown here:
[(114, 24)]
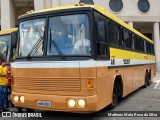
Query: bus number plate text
[(126, 61), (44, 103)]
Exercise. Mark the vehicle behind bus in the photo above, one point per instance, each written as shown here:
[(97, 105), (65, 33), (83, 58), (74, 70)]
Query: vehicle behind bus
[(8, 40)]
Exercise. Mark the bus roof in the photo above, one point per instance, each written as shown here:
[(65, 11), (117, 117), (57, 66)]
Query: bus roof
[(98, 8), (4, 32)]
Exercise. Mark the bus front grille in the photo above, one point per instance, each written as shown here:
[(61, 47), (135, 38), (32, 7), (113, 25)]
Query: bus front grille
[(48, 84)]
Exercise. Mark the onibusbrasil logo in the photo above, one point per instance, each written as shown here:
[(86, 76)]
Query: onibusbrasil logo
[(14, 114)]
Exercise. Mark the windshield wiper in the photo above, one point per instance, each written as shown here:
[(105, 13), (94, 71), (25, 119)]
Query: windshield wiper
[(35, 47), (52, 42)]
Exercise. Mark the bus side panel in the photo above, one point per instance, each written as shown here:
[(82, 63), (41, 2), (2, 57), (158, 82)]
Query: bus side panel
[(133, 78), (127, 80), (153, 71), (105, 81)]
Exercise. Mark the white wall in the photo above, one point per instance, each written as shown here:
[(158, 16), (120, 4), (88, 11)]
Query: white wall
[(42, 4), (130, 11)]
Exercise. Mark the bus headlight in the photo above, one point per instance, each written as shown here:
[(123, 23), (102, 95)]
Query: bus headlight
[(22, 99), (71, 103), (81, 103), (16, 98)]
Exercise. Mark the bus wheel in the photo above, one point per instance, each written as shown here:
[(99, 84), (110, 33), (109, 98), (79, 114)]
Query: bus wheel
[(114, 98), (149, 79), (149, 82), (146, 81), (28, 110)]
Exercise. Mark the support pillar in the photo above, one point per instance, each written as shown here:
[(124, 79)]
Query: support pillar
[(55, 3), (157, 44), (42, 4), (64, 2), (130, 23), (7, 14), (38, 5)]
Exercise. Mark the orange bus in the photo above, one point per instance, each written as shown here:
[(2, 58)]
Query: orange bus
[(78, 58)]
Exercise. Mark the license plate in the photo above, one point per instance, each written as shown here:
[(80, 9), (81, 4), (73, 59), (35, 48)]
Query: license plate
[(44, 103)]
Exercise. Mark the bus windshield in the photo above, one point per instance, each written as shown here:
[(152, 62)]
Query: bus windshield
[(31, 32), (70, 35), (5, 45)]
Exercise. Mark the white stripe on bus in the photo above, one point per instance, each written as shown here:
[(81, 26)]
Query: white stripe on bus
[(77, 64)]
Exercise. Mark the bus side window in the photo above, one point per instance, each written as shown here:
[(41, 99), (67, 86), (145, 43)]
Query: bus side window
[(100, 31), (136, 44), (127, 42), (13, 46), (101, 39), (153, 49), (145, 51), (115, 34), (141, 44), (149, 48)]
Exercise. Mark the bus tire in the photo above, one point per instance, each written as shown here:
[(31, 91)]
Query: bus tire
[(115, 97), (146, 82), (29, 110), (149, 79)]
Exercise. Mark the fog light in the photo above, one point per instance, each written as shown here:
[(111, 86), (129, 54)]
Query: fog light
[(15, 98), (81, 103), (22, 99), (71, 103)]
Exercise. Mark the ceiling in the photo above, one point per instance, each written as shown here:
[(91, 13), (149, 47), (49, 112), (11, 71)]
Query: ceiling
[(141, 25), (24, 4)]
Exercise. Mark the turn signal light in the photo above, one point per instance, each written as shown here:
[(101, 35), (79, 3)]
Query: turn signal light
[(89, 83)]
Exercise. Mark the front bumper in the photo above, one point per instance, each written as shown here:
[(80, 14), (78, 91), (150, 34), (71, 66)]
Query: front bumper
[(59, 103)]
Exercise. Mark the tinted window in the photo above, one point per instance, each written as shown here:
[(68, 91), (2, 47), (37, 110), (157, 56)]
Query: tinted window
[(101, 35), (136, 44), (127, 42), (100, 31), (152, 49), (102, 49), (141, 44), (148, 47), (114, 33)]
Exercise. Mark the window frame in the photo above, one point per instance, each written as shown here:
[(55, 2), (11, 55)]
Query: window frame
[(106, 43), (90, 34), (120, 34), (87, 10), (129, 39)]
